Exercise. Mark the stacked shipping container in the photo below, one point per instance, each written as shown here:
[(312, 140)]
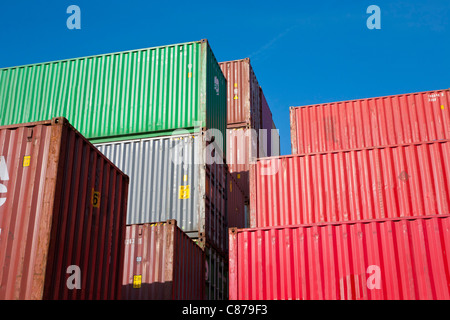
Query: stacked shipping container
[(366, 190), (162, 263), (131, 103), (249, 117), (387, 259), (62, 215)]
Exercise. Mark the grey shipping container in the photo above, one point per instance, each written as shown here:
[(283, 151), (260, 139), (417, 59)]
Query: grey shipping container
[(174, 178)]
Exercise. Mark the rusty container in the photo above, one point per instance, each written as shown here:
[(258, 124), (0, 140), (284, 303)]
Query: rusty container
[(62, 215), (162, 263), (371, 183), (244, 104), (373, 122), (382, 259)]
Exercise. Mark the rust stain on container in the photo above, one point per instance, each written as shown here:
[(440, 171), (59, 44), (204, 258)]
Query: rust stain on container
[(162, 263), (386, 259), (48, 222), (371, 183), (363, 123)]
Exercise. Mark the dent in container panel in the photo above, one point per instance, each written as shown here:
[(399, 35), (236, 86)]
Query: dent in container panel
[(386, 259), (372, 183), (373, 122), (162, 263), (64, 204)]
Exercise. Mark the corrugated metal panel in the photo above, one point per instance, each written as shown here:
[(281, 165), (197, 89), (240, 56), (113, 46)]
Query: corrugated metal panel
[(134, 93), (385, 182), (404, 259), (216, 275), (244, 106), (236, 204), (241, 151), (356, 124), (191, 192), (162, 263), (64, 204)]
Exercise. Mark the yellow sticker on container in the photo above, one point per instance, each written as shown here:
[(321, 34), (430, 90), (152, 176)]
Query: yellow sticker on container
[(185, 177), (137, 281), (442, 107), (238, 176), (26, 161), (189, 74), (236, 97), (95, 198), (231, 186), (185, 192)]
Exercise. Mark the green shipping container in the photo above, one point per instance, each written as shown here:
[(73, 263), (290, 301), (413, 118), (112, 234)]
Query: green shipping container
[(126, 95)]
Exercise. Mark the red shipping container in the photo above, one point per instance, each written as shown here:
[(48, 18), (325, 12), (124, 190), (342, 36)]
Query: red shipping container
[(363, 123), (162, 263), (375, 183), (388, 259), (244, 106), (62, 215)]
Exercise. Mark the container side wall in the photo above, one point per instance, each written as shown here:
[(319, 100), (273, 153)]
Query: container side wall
[(403, 259), (24, 222), (389, 182), (382, 121), (88, 226), (216, 101), (237, 74), (170, 181), (162, 263), (113, 95)]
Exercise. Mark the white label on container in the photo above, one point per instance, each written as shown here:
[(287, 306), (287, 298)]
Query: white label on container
[(4, 176)]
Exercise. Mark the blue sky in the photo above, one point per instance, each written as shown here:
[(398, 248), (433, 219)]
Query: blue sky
[(303, 52)]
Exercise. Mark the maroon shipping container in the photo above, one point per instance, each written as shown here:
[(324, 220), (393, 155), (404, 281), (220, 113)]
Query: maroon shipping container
[(62, 215), (237, 205), (388, 259), (162, 263), (244, 106), (382, 121), (374, 183)]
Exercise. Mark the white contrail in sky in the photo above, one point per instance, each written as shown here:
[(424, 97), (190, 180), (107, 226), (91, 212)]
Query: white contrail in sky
[(270, 43)]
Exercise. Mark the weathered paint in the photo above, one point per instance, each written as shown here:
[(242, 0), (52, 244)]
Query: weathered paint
[(123, 95), (372, 183), (374, 122), (162, 263), (388, 259), (244, 104), (192, 191), (65, 204)]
